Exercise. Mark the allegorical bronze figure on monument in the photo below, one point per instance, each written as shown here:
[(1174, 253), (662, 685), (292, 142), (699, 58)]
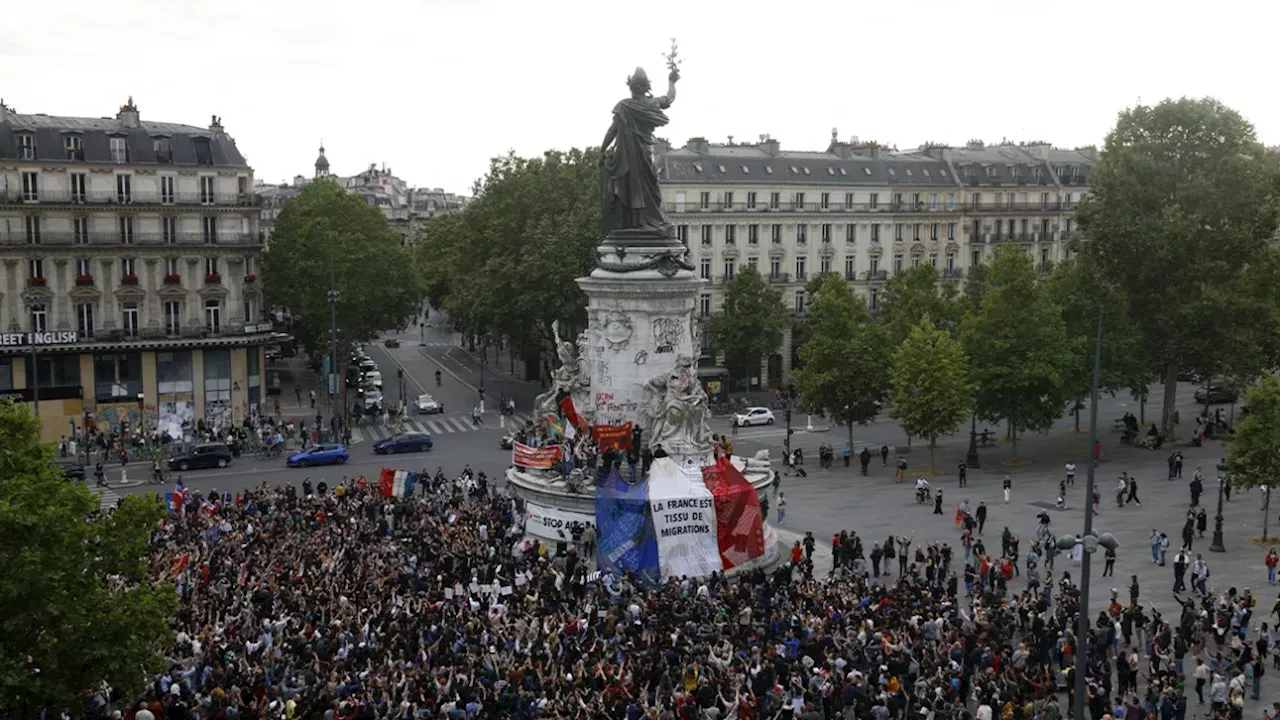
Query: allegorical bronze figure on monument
[(632, 199)]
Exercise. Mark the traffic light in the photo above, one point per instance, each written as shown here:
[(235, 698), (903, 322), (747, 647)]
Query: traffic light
[(400, 372)]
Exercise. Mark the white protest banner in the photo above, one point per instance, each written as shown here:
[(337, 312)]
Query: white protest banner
[(684, 520), (551, 523)]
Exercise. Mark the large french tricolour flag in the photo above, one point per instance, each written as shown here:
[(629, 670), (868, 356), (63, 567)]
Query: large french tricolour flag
[(396, 483)]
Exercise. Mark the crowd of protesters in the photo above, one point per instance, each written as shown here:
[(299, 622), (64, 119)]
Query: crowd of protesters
[(342, 603)]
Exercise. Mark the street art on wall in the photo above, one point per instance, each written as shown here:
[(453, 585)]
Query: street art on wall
[(110, 416)]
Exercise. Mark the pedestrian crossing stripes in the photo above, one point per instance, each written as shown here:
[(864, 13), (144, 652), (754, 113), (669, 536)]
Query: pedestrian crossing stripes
[(432, 425), (107, 498)]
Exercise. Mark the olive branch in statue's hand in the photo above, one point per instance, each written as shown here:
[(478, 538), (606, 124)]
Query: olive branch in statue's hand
[(673, 61)]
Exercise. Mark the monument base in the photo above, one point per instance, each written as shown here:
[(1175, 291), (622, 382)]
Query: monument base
[(554, 504)]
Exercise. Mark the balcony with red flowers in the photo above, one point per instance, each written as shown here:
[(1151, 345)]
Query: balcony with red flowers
[(212, 279), (172, 279), (84, 280), (36, 281), (129, 280), (250, 278)]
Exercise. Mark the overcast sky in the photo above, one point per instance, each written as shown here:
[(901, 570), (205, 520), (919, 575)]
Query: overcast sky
[(434, 88)]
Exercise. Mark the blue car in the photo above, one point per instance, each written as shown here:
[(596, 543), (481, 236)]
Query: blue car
[(323, 454), (403, 442)]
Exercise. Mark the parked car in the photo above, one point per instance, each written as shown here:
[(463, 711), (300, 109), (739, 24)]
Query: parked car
[(372, 400), (367, 365), (204, 455), (391, 342), (428, 405), (71, 469), (403, 442), (754, 416), (1216, 395), (372, 379), (322, 454)]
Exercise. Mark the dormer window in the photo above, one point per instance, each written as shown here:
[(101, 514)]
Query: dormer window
[(746, 170), (721, 168), (26, 146), (793, 170), (204, 154), (892, 173), (119, 150), (74, 146), (768, 170), (163, 149), (866, 170), (926, 172), (908, 172)]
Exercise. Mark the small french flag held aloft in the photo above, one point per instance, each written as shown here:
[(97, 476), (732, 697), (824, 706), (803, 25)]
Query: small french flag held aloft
[(396, 483)]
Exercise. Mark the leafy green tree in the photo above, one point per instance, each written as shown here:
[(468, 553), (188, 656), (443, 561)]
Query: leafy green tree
[(1081, 292), (846, 357), (504, 268), (918, 293), (930, 384), (1020, 357), (752, 324), (1255, 454), (1179, 208), (975, 287), (77, 603), (373, 272)]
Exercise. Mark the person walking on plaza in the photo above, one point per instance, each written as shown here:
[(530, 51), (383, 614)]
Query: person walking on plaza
[(937, 502), (1071, 473), (1154, 539), (1110, 569), (1164, 548), (1188, 532), (1008, 485), (1202, 522), (865, 459), (1180, 562), (964, 475), (902, 469), (1197, 488), (782, 507), (847, 453), (1271, 561), (884, 456), (1122, 489), (1133, 490), (981, 516), (1200, 576)]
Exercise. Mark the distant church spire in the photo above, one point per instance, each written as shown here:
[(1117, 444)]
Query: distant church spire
[(322, 163)]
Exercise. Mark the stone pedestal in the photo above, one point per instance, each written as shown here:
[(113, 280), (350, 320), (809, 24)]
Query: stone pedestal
[(640, 319)]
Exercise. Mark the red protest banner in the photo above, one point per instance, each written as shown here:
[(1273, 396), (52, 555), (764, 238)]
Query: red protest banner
[(612, 436), (534, 457)]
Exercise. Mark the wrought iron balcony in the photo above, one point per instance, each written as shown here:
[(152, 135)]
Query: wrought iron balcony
[(1020, 207), (876, 275), (953, 272), (114, 239), (779, 277), (114, 197)]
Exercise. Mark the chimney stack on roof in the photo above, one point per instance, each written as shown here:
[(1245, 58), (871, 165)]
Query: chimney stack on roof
[(699, 145), (128, 115), (769, 145), (215, 124), (4, 111)]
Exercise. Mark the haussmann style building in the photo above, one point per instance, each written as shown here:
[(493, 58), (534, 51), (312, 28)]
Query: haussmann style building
[(863, 211), (129, 287)]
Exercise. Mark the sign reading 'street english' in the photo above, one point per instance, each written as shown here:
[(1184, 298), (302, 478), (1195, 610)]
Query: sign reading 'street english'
[(62, 337)]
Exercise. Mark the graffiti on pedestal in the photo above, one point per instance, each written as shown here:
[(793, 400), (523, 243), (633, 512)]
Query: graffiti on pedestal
[(667, 334)]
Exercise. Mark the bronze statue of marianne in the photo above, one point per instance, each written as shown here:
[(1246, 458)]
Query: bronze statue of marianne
[(632, 199)]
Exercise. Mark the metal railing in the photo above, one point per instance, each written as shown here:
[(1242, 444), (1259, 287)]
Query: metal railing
[(952, 272), (779, 277), (113, 197), (195, 332), (115, 239), (1028, 206), (875, 275), (818, 207)]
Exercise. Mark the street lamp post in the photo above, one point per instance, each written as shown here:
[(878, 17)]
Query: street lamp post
[(1217, 545), (331, 380), (31, 302), (1087, 538)]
